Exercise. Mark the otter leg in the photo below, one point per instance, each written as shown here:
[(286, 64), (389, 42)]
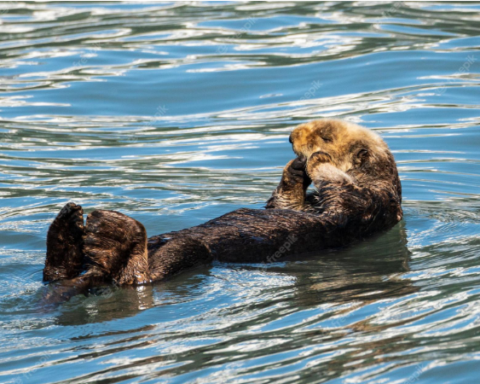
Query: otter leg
[(290, 193), (172, 253), (116, 247), (65, 244)]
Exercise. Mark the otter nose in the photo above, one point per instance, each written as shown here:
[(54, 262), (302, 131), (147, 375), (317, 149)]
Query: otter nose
[(290, 139)]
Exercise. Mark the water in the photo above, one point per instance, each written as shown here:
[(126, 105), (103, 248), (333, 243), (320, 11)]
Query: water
[(177, 113)]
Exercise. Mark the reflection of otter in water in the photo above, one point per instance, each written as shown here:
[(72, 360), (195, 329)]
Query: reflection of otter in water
[(358, 193)]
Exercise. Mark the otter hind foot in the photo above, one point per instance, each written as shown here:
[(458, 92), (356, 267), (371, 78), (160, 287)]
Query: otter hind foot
[(65, 244), (116, 246)]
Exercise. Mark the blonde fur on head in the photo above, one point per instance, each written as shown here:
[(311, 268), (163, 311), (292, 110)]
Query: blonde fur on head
[(343, 142)]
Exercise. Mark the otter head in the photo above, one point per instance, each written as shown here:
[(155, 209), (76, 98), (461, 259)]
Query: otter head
[(335, 147)]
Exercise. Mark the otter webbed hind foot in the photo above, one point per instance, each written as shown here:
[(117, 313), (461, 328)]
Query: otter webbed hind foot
[(65, 245), (116, 247)]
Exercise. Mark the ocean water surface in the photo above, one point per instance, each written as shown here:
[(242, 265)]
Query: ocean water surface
[(175, 113)]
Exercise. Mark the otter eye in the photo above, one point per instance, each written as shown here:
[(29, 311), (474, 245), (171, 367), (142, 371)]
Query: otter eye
[(327, 139)]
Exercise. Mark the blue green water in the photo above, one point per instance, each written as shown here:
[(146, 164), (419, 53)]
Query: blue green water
[(177, 113)]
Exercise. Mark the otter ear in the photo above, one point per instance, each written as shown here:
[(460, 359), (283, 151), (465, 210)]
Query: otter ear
[(361, 156)]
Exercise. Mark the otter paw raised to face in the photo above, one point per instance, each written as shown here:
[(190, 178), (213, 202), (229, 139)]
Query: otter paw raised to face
[(320, 167), (297, 169), (341, 150)]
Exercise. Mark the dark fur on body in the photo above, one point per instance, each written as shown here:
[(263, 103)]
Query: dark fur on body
[(358, 194)]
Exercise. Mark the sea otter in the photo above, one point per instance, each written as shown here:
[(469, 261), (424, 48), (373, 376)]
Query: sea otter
[(357, 194)]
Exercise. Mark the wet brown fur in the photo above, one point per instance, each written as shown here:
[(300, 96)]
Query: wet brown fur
[(357, 193), (65, 245)]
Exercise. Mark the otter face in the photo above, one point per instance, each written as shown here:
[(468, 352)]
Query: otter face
[(344, 146)]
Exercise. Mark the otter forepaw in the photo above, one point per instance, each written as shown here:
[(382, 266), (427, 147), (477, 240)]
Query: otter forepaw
[(317, 158), (295, 172), (290, 193), (297, 166), (321, 169)]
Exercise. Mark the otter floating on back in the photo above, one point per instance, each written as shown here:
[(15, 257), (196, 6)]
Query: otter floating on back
[(357, 194)]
